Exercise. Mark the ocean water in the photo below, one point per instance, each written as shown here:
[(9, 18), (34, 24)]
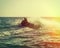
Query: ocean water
[(12, 36)]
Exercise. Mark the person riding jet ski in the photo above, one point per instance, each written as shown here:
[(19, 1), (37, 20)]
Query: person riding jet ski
[(25, 23)]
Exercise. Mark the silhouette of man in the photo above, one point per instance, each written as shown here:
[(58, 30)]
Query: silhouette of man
[(24, 22)]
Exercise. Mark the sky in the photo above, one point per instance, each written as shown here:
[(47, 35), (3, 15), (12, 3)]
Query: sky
[(30, 8)]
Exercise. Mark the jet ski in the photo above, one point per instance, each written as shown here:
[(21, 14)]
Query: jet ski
[(25, 23)]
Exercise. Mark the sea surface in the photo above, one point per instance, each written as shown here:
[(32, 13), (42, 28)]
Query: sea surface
[(12, 36)]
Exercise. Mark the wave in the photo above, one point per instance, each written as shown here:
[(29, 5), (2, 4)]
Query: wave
[(10, 21)]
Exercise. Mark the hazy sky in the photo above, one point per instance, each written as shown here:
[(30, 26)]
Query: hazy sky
[(29, 8)]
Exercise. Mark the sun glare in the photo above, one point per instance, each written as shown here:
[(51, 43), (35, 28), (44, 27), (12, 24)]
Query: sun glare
[(52, 24)]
